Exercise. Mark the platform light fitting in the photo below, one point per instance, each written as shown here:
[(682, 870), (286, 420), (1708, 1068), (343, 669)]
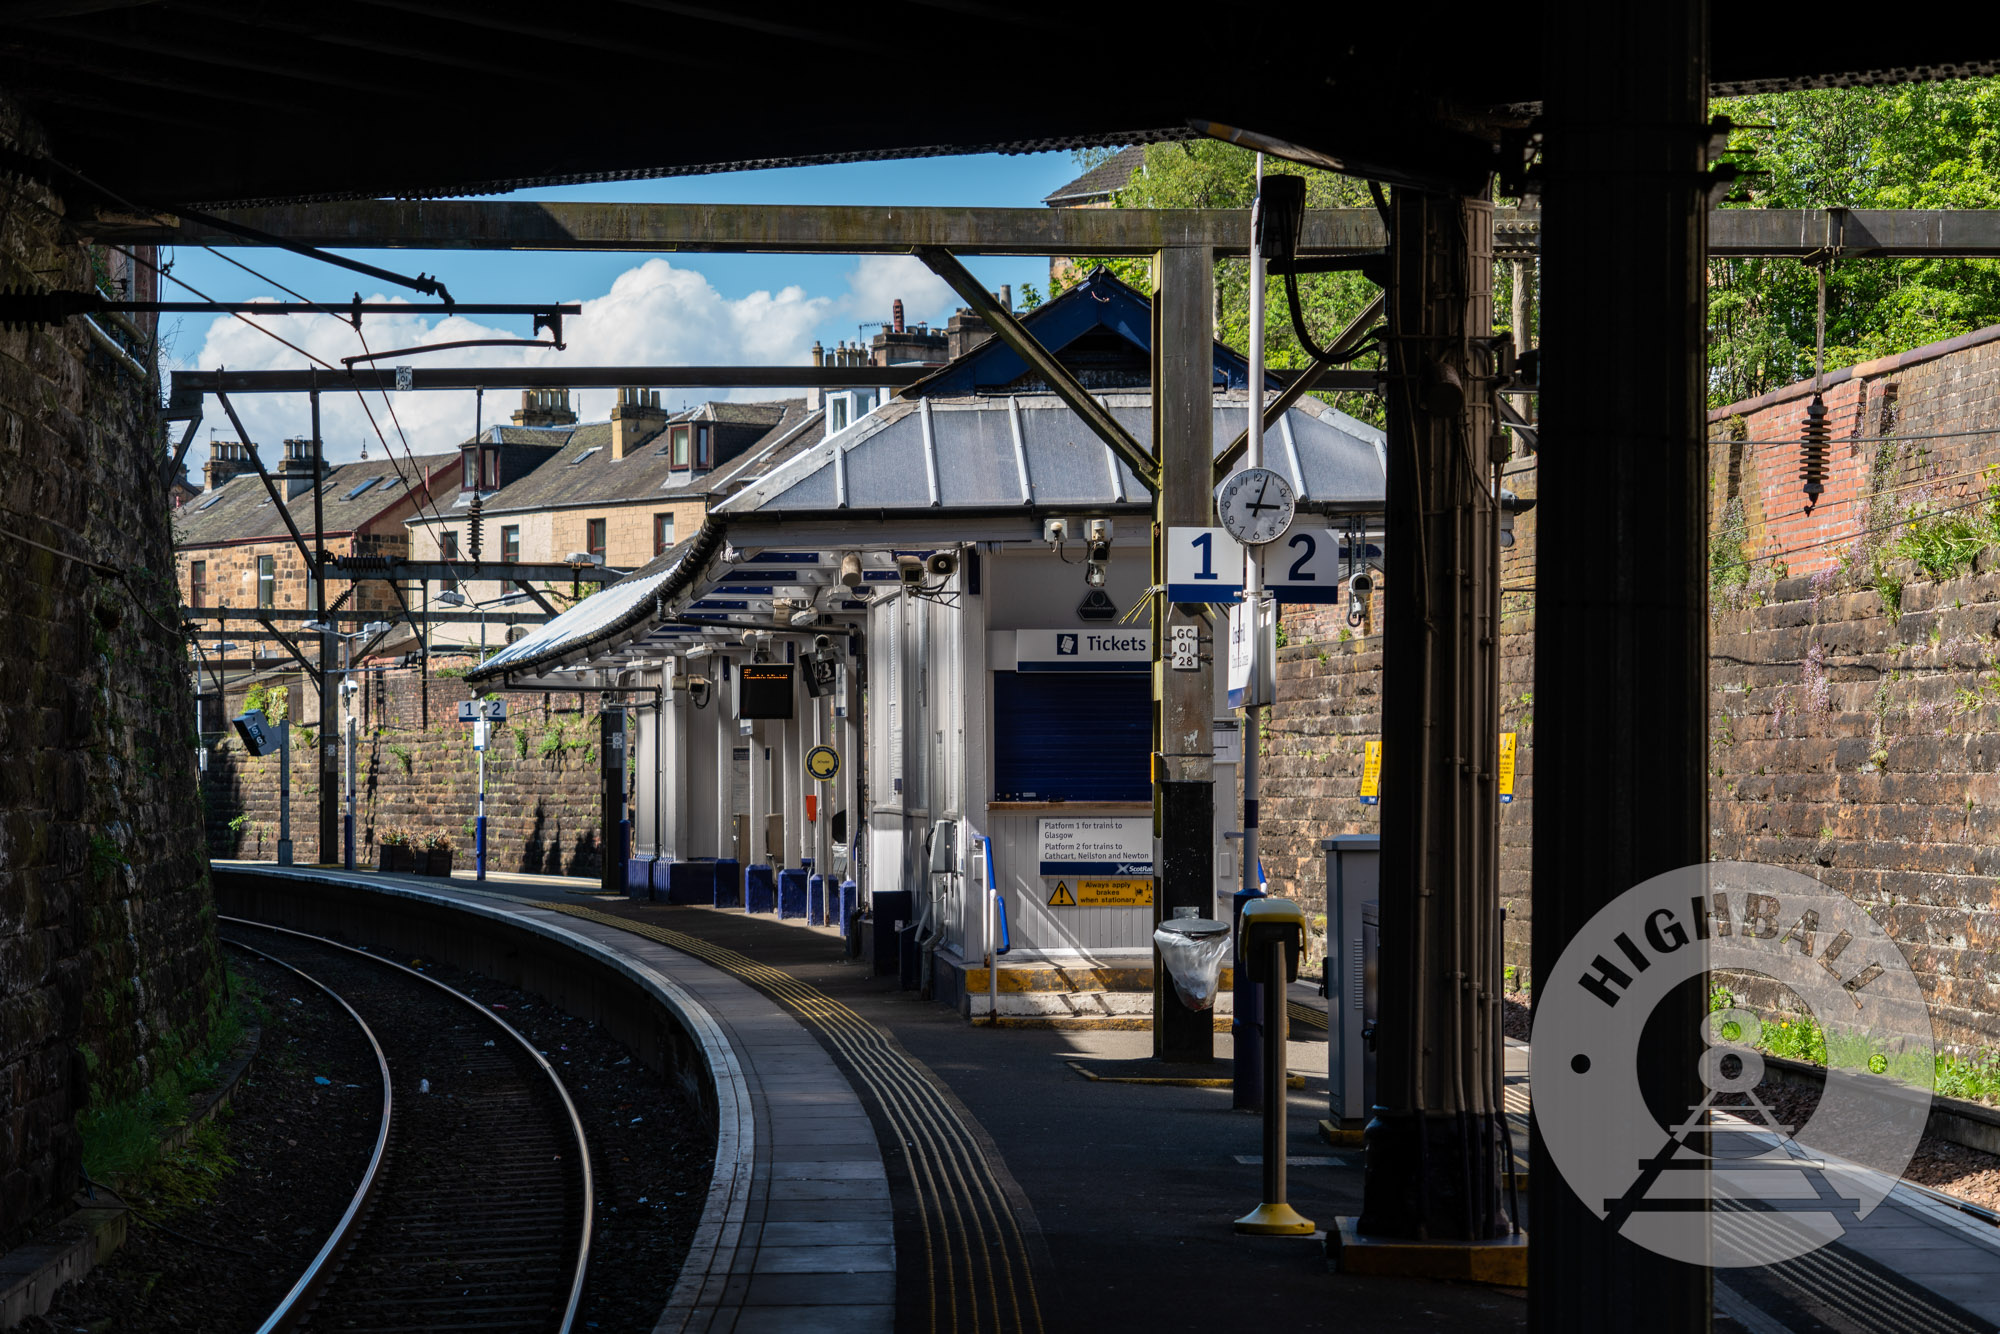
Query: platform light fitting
[(850, 570)]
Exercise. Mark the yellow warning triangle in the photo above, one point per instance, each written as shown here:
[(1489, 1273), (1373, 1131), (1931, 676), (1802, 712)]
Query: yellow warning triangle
[(1062, 898)]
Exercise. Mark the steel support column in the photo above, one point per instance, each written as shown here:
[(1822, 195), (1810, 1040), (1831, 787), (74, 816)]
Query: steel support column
[(1621, 634), (1184, 784), (1434, 1142)]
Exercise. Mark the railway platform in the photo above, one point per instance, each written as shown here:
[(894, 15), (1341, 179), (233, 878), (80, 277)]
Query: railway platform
[(906, 1170)]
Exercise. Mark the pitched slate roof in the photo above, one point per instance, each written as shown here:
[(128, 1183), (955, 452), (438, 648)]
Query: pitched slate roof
[(583, 472), (352, 495), (1101, 182), (1028, 452)]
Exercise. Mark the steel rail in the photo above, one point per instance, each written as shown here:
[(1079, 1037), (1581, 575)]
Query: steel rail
[(582, 1265), (319, 1270)]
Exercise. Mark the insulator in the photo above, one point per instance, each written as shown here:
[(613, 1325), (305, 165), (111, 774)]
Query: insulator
[(1812, 449), (473, 527)]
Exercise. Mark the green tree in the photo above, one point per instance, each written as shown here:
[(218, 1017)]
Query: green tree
[(1914, 146), (1209, 173)]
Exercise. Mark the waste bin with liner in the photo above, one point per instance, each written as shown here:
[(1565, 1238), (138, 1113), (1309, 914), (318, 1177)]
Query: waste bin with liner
[(1193, 949)]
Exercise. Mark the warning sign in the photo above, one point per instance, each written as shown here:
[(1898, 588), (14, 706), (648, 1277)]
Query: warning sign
[(1103, 893), (1371, 773), (1506, 767)]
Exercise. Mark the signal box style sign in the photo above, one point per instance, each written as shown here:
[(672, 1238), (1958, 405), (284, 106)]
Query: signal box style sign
[(823, 763), (764, 690), (1083, 650), (1090, 892), (1116, 846), (1203, 565)]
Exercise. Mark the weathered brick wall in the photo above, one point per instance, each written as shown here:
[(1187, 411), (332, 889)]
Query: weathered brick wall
[(1862, 747), (108, 966), (419, 773)]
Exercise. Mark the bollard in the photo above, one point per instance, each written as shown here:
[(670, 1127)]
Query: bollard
[(760, 889), (728, 883), (816, 900), (792, 892), (1273, 935)]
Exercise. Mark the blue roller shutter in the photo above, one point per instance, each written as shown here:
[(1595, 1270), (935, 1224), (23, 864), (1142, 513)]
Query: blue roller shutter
[(1080, 736)]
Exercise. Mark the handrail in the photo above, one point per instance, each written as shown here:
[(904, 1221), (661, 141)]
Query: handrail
[(999, 899), (575, 1298)]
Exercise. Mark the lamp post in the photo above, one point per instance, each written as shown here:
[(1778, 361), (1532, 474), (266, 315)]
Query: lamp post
[(482, 731)]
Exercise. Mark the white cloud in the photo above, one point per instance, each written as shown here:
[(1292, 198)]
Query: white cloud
[(878, 281), (654, 314)]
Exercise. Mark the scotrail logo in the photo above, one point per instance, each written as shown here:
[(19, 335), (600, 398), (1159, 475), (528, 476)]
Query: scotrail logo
[(1725, 1180), (1065, 646)]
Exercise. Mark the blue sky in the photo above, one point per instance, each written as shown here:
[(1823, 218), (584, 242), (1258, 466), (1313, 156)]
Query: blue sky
[(668, 309)]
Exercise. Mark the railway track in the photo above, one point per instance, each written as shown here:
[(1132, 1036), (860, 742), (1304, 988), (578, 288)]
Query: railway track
[(475, 1209)]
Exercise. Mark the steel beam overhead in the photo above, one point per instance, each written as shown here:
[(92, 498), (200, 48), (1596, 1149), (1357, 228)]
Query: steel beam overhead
[(1734, 233), (1057, 376), (227, 614), (392, 568), (375, 379), (752, 228)]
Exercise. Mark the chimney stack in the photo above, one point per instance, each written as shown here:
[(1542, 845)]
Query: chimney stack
[(545, 407), (226, 459), (1007, 297), (637, 419), (897, 315), (296, 472)]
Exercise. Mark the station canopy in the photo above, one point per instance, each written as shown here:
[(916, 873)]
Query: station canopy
[(908, 478)]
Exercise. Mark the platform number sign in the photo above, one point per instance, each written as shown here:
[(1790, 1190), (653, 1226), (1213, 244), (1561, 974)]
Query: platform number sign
[(1186, 648), (1304, 566), (1203, 565)]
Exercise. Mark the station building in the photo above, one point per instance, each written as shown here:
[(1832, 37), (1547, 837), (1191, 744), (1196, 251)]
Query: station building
[(948, 601)]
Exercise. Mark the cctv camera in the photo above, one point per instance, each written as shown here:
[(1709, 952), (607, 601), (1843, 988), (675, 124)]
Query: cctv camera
[(909, 569), (1100, 530), (941, 565)]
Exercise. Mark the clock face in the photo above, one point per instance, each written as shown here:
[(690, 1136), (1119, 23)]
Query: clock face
[(1256, 506)]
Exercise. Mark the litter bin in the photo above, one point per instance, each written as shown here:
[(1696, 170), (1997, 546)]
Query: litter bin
[(1193, 949)]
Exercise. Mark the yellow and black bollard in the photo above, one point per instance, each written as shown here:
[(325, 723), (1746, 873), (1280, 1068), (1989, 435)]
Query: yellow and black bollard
[(1274, 932)]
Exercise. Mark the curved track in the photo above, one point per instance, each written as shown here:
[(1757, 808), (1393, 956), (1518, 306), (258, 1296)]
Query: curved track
[(475, 1210)]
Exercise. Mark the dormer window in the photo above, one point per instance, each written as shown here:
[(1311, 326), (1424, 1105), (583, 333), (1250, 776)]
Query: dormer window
[(704, 447), (680, 446), (481, 469), (837, 413)]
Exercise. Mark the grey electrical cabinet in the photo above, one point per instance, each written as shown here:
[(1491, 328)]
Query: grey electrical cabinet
[(1353, 893)]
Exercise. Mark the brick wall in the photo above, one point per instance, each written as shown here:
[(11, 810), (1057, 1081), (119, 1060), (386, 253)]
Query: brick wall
[(1852, 738), (108, 966), (419, 772)]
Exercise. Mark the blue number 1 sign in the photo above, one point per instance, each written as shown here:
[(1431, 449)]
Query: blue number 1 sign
[(1203, 565)]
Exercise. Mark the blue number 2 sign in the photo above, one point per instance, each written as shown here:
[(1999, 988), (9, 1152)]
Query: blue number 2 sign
[(1203, 565)]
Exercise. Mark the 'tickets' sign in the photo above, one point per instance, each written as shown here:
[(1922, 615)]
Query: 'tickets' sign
[(1083, 650), (1097, 846)]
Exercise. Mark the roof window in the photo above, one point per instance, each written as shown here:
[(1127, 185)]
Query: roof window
[(359, 489), (206, 503)]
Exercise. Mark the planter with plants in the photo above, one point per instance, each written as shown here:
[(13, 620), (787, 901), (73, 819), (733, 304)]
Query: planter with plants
[(393, 852), (437, 854)]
